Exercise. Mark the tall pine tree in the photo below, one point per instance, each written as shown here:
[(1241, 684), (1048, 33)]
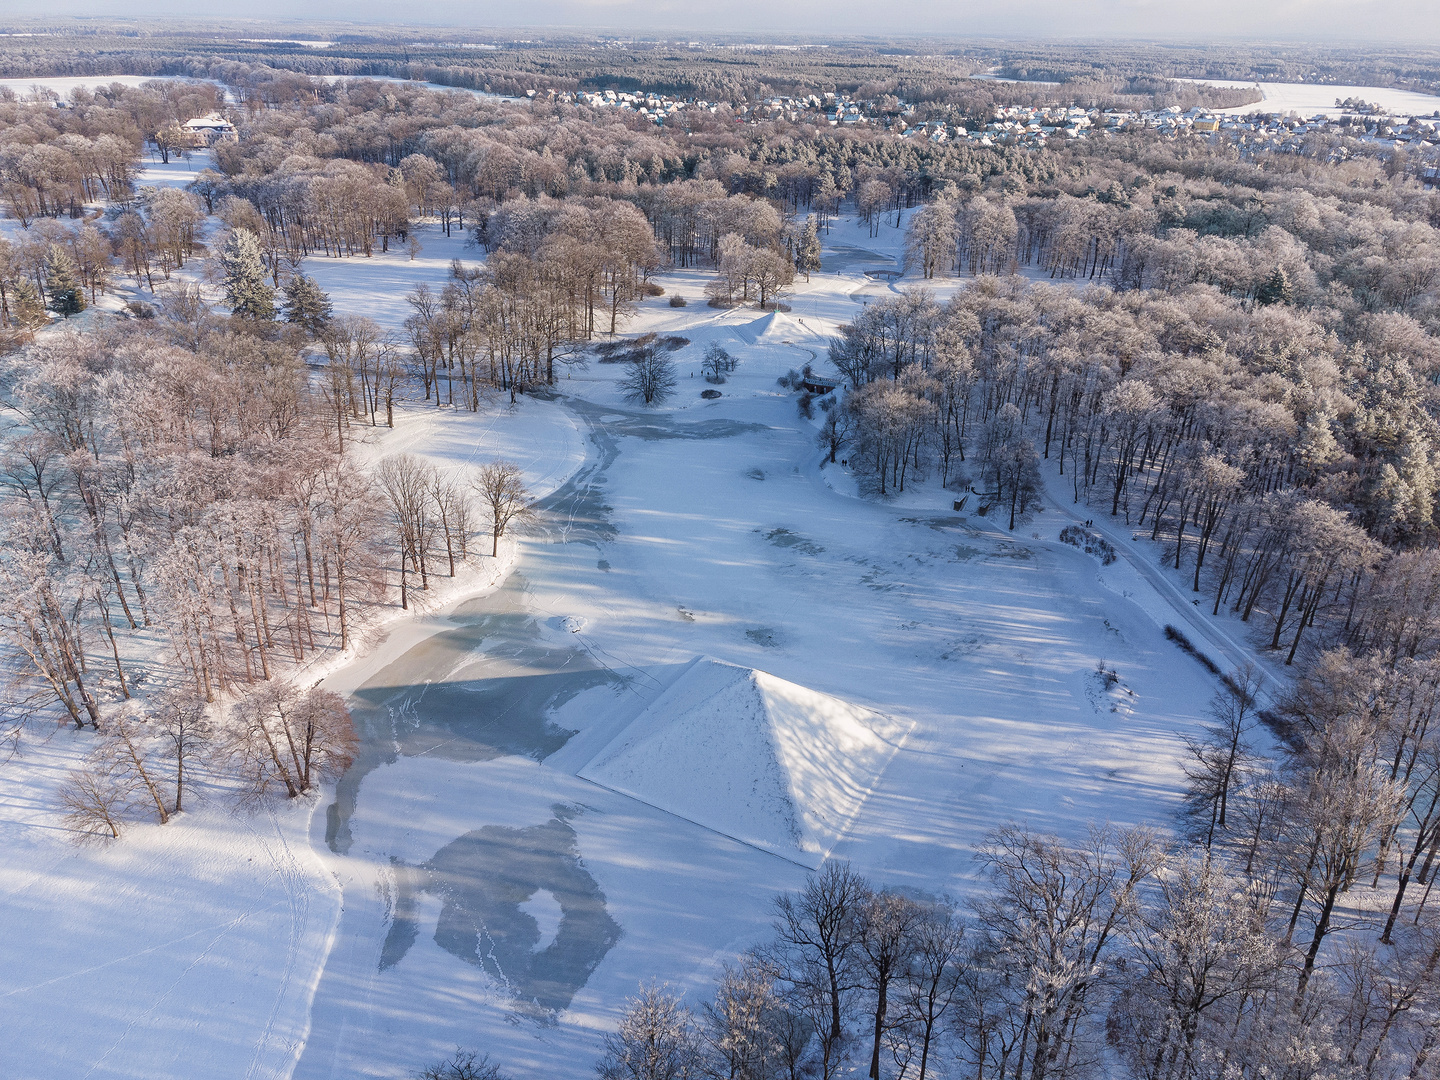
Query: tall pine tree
[(306, 304), (807, 255), (66, 296), (1276, 289), (246, 290)]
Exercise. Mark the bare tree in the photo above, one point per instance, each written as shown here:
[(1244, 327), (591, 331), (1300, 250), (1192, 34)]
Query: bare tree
[(818, 952), (183, 722), (500, 485), (462, 1065), (650, 378), (96, 799), (887, 923), (931, 981), (405, 482), (1219, 756)]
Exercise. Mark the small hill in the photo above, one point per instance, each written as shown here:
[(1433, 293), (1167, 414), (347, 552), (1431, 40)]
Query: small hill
[(777, 765)]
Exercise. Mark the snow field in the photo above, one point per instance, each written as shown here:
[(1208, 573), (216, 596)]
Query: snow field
[(1308, 99), (189, 949), (738, 546)]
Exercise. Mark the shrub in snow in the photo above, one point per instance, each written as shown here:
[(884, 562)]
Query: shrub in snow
[(678, 301), (1089, 543), (710, 394)]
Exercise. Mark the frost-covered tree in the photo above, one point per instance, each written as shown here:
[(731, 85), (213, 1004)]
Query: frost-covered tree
[(1011, 466), (656, 1040), (748, 1030), (930, 237), (246, 289), (807, 252), (306, 304), (67, 296), (27, 307), (283, 739)]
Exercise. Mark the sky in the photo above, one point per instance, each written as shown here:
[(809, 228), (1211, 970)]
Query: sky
[(1412, 22)]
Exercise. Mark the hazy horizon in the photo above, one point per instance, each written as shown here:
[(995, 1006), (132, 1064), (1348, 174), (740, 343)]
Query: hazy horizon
[(1414, 22)]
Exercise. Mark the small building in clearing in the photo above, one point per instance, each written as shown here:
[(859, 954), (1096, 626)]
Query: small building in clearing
[(208, 130)]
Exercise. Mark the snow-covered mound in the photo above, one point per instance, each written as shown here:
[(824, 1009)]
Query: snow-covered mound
[(755, 757)]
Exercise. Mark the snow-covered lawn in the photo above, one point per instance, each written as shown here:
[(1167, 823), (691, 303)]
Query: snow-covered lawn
[(722, 537)]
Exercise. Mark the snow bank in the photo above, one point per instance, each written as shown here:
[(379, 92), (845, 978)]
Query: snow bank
[(752, 756)]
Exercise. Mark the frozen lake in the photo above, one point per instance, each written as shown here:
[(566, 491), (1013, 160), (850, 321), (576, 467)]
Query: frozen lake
[(495, 898)]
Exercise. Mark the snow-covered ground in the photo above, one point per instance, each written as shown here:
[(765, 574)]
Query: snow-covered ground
[(62, 85), (1309, 99), (195, 948), (709, 529), (466, 884)]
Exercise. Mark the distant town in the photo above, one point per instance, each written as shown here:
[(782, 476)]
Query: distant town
[(1032, 126)]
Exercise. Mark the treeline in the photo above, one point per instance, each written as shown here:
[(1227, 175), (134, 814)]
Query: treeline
[(915, 71), (1339, 64), (182, 481), (1288, 461)]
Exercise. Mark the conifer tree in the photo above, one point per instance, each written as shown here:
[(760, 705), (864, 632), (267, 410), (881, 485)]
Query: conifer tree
[(1276, 289), (245, 288), (807, 255), (306, 304), (27, 307), (66, 296)]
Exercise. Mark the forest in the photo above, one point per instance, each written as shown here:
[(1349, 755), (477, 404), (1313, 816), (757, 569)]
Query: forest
[(1232, 353)]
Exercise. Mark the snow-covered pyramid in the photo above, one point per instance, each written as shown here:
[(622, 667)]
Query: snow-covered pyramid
[(752, 756)]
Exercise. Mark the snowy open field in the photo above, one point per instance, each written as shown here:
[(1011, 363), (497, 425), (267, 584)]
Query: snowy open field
[(531, 828), (1308, 99), (62, 85)]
